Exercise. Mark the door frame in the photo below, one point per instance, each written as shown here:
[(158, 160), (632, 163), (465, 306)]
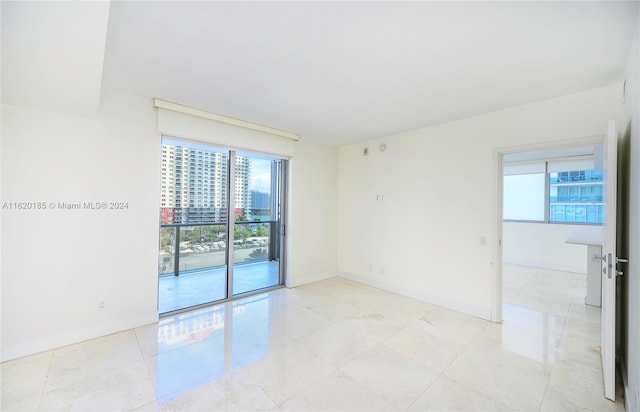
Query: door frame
[(498, 162)]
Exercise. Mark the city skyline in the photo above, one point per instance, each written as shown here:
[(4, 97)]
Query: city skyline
[(194, 184)]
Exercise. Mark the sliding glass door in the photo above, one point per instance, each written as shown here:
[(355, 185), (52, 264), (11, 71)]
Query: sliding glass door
[(256, 249), (220, 220)]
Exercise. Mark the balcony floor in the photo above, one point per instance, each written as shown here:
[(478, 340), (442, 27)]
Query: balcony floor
[(208, 285)]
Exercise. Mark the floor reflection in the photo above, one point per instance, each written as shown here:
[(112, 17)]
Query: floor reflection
[(200, 346), (531, 333)]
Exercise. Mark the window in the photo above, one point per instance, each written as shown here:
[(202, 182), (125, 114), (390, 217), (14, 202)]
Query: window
[(524, 197), (576, 196), (553, 191), (524, 191)]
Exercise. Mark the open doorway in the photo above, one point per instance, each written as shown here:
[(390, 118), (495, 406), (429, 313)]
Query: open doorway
[(550, 210), (585, 331)]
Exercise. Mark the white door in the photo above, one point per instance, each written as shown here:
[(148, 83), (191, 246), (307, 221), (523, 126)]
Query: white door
[(609, 273)]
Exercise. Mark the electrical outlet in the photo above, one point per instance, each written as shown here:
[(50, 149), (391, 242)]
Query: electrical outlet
[(101, 305), (382, 270)]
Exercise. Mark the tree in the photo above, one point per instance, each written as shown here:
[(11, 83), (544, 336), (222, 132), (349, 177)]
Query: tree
[(241, 233), (167, 239), (192, 236)]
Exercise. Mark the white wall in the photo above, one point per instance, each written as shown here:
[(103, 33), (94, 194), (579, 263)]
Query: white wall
[(313, 213), (57, 264), (632, 278), (433, 236), (543, 245)]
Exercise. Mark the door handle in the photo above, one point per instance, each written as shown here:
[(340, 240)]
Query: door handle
[(598, 257), (621, 260)]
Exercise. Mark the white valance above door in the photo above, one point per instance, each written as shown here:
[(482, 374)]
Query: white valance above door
[(182, 121)]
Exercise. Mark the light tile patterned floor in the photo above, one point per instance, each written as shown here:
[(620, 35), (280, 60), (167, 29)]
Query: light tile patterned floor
[(335, 345)]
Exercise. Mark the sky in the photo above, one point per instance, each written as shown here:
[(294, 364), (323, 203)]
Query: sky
[(261, 175)]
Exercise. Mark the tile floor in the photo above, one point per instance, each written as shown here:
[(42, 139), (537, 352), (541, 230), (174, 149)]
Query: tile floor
[(335, 345)]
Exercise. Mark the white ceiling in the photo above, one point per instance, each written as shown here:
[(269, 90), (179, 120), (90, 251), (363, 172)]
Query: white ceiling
[(53, 54), (334, 71)]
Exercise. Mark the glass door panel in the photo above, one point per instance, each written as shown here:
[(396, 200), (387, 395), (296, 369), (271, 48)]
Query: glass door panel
[(256, 260), (193, 226)]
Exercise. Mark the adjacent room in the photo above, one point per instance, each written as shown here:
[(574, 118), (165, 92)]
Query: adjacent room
[(320, 206)]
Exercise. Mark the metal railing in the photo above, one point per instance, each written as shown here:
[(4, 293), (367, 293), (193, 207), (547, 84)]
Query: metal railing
[(193, 246)]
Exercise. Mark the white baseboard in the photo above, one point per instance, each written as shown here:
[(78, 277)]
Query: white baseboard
[(482, 313), (300, 280), (19, 350), (546, 265)]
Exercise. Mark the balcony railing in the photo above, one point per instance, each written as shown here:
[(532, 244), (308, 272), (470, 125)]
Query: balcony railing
[(194, 246)]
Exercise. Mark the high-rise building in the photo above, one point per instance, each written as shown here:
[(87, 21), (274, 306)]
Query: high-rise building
[(259, 200), (194, 186), (260, 205), (243, 195), (576, 196)]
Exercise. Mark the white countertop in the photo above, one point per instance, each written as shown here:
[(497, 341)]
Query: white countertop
[(582, 238)]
